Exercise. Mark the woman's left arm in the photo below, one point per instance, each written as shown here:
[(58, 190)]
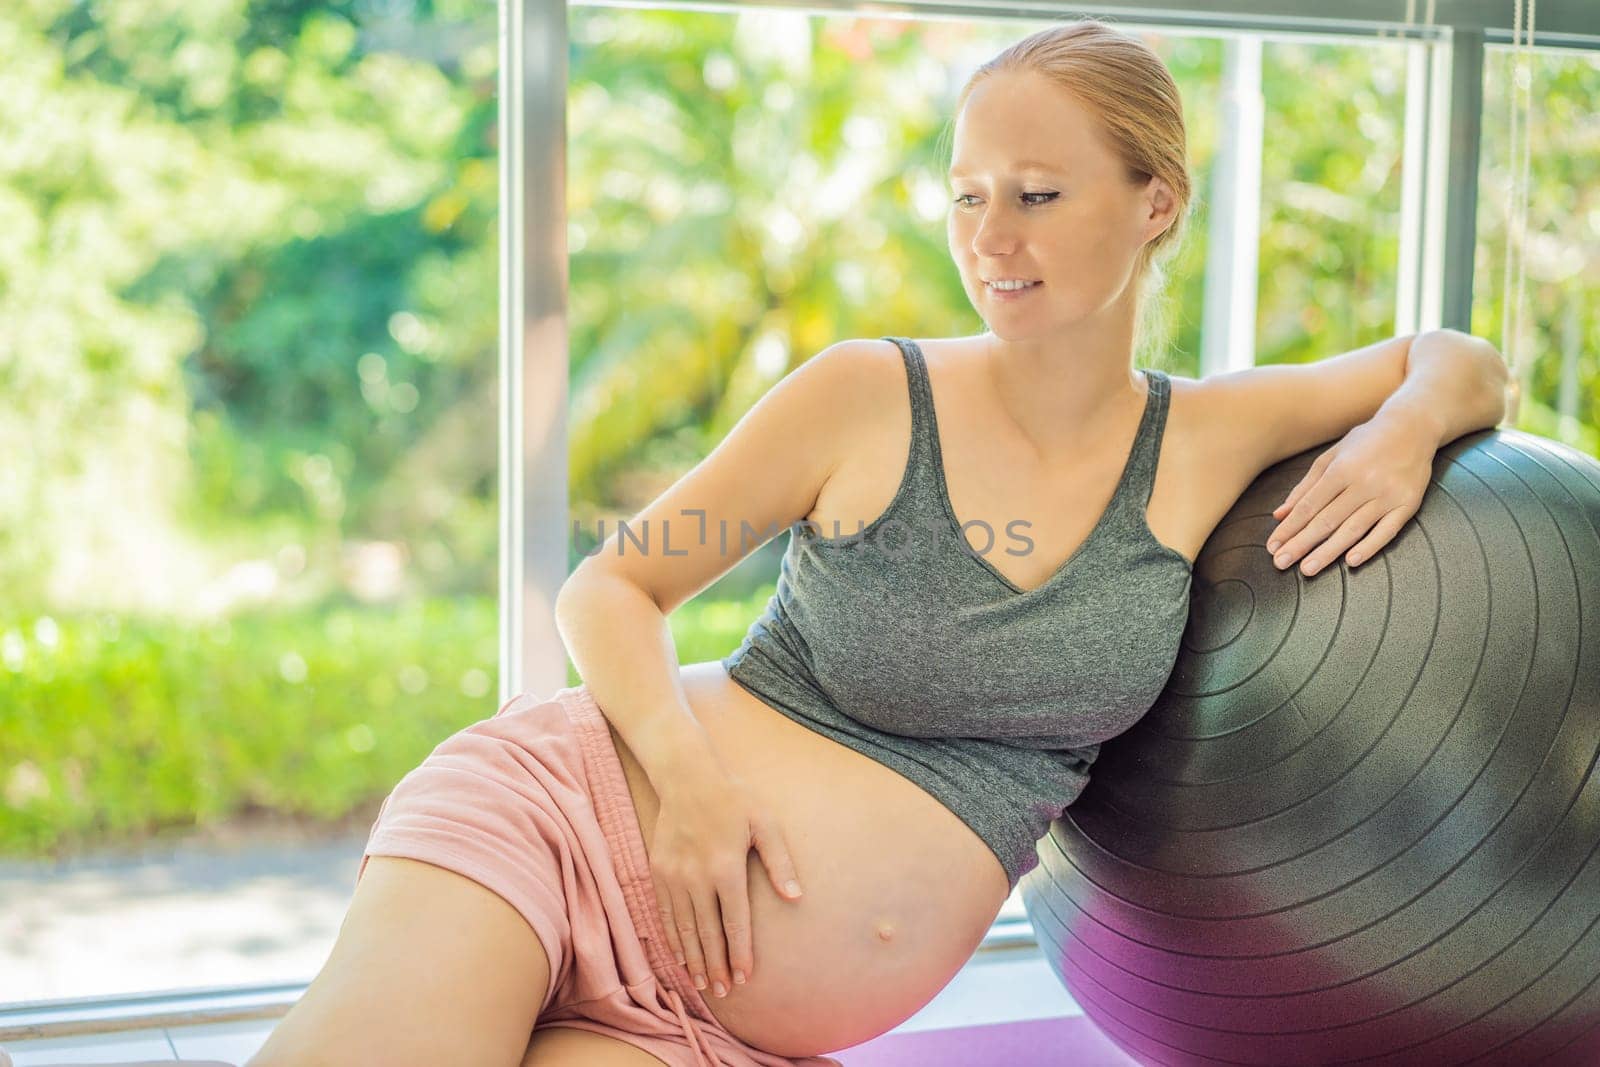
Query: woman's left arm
[(1362, 491)]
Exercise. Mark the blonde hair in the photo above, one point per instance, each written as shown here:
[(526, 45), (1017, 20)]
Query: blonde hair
[(1127, 86)]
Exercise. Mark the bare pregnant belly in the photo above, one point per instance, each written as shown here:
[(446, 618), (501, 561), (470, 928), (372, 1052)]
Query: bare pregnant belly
[(899, 892)]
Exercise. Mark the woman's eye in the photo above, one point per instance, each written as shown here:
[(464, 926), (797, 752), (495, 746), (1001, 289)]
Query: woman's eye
[(1038, 198)]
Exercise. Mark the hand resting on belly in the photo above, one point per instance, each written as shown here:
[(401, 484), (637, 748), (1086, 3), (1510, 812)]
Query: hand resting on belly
[(899, 891)]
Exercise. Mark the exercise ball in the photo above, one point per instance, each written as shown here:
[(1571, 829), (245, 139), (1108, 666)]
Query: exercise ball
[(1361, 825)]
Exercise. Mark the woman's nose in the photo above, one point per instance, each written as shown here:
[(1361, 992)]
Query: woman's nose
[(995, 235)]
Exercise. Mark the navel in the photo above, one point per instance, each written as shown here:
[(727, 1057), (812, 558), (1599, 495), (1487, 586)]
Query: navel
[(885, 930)]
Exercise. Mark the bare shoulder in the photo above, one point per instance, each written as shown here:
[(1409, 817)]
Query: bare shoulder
[(869, 454), (858, 390), (863, 376), (875, 400), (845, 380), (767, 471), (874, 359), (1204, 467), (1200, 474)]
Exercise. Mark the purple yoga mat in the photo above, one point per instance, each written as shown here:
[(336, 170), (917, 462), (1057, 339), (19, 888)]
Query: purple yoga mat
[(1071, 1041)]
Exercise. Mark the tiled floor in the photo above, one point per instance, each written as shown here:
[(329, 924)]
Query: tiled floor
[(969, 1015), (229, 1042)]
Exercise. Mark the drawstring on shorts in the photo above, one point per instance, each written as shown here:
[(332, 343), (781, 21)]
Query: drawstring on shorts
[(703, 1055)]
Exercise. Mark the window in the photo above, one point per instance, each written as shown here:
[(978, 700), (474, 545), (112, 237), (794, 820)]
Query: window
[(1557, 342), (1331, 169), (248, 276)]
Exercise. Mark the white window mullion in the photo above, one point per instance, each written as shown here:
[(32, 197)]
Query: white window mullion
[(1228, 327), (533, 343), (1415, 170)]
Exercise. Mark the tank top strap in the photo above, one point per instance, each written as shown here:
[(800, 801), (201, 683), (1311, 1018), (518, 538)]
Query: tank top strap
[(1140, 478), (922, 432), (1132, 494)]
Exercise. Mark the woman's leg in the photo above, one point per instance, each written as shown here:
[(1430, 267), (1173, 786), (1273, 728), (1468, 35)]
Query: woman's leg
[(562, 1046), (430, 969)]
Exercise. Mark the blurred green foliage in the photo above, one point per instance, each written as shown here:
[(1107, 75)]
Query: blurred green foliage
[(119, 730), (248, 268), (249, 275), (114, 728)]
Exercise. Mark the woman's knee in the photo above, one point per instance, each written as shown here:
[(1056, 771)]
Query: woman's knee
[(429, 967)]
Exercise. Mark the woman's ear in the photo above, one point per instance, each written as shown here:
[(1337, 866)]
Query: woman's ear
[(1161, 207)]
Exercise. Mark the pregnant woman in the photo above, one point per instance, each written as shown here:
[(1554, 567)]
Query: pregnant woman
[(988, 575)]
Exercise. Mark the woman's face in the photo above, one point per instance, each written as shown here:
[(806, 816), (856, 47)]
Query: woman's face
[(1038, 197)]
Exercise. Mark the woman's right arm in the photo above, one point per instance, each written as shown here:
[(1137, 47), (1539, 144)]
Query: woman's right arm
[(619, 639), (766, 473), (612, 613)]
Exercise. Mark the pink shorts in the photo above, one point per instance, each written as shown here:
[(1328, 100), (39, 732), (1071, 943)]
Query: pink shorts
[(532, 803)]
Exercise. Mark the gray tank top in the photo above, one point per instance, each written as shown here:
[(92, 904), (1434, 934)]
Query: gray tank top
[(903, 642)]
